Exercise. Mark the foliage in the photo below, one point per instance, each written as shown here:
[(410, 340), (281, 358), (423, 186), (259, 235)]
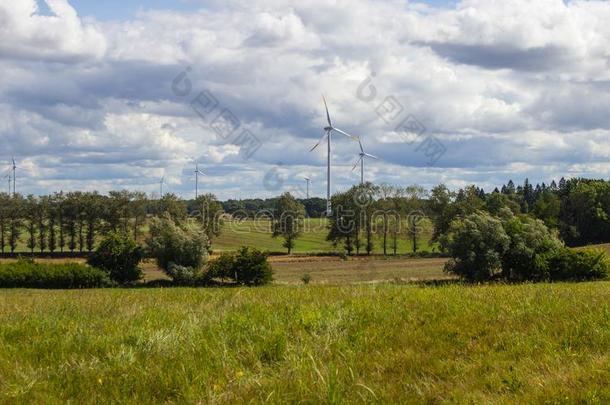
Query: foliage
[(531, 247), (207, 210), (119, 256), (288, 220), (247, 266), (516, 248), (579, 265), (27, 274), (476, 244), (306, 278), (173, 244)]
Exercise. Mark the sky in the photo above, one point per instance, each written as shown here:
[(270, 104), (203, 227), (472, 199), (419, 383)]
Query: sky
[(120, 94)]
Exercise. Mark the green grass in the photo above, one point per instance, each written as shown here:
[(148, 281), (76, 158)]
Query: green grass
[(313, 239), (316, 344), (258, 234)]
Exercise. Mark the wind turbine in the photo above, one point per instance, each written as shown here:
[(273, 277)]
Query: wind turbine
[(161, 185), (308, 180), (197, 173), (328, 135), (362, 154), (14, 175)]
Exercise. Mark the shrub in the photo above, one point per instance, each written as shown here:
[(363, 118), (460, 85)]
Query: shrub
[(531, 247), (579, 265), (27, 274), (179, 250), (119, 256), (248, 266), (182, 275), (476, 243), (516, 248), (306, 279)]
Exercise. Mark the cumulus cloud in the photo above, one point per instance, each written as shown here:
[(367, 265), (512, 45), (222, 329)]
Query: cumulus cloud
[(508, 89)]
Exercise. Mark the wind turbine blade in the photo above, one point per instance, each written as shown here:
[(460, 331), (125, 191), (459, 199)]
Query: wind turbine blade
[(327, 114), (360, 143), (371, 156), (356, 165), (355, 138), (319, 142), (200, 172)]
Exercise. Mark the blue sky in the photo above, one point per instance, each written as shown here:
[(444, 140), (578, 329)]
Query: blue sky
[(505, 89), (126, 9)]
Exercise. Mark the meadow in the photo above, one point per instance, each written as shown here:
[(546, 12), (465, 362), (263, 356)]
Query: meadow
[(313, 240), (533, 343)]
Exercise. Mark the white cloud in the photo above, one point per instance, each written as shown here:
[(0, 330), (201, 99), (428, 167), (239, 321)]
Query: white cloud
[(511, 88)]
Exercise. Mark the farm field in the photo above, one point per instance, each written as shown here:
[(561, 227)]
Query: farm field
[(258, 234), (329, 270), (540, 343)]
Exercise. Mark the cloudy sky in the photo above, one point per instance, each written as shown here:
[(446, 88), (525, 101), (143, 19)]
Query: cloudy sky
[(116, 94)]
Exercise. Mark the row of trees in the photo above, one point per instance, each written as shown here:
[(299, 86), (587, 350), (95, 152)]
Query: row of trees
[(73, 221), (359, 215), (578, 209)]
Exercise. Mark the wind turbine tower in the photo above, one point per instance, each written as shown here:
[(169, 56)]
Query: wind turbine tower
[(328, 135), (362, 155), (308, 180), (197, 173)]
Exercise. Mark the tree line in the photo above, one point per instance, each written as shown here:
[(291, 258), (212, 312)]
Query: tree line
[(577, 209)]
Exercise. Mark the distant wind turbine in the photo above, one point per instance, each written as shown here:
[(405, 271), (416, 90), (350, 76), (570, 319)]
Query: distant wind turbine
[(328, 135), (197, 173), (14, 177), (308, 180), (363, 155), (161, 186)]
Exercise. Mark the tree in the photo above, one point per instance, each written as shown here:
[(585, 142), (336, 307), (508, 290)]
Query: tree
[(384, 210), (119, 256), (42, 214), (4, 220), (16, 207), (343, 225), (476, 244), (288, 220), (208, 212), (179, 249), (531, 247), (29, 210), (137, 208), (173, 206), (442, 210), (547, 207), (494, 203)]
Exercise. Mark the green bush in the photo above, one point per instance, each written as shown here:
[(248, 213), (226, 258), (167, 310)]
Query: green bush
[(516, 248), (180, 250), (119, 256), (579, 265), (247, 266), (531, 247), (27, 274), (476, 244)]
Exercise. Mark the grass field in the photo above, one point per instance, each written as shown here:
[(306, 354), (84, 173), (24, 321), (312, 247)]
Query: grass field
[(258, 234), (316, 344), (328, 270)]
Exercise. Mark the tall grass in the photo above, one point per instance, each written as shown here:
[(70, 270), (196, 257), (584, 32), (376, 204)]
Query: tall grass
[(314, 344)]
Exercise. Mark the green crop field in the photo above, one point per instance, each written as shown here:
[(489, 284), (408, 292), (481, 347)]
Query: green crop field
[(258, 234), (540, 343), (236, 233)]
